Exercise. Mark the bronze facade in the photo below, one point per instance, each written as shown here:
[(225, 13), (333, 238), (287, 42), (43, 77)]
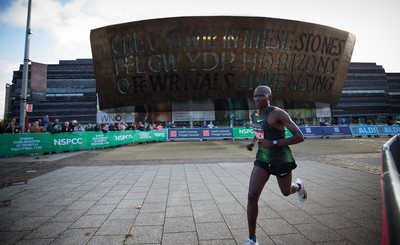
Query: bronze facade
[(218, 57)]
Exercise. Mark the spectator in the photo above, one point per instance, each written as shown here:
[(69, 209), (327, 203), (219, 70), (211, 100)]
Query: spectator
[(124, 126), (204, 125), (40, 122), (112, 127), (97, 127), (45, 122), (73, 124), (27, 124), (89, 127), (389, 121), (1, 126), (324, 123), (104, 128), (35, 128), (159, 127), (55, 127), (120, 126), (171, 125), (67, 128), (140, 126), (78, 128), (131, 126), (211, 125), (12, 126)]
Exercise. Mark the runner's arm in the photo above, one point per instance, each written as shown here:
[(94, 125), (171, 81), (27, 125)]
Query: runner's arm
[(292, 127), (285, 121)]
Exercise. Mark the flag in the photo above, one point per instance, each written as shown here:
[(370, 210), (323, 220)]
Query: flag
[(38, 81)]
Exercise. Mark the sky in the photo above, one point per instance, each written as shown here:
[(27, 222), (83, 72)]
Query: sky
[(61, 28)]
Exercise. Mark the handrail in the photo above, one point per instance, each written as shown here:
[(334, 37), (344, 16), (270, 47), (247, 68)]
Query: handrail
[(390, 188)]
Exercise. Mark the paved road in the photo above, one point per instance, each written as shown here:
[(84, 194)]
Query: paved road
[(193, 193)]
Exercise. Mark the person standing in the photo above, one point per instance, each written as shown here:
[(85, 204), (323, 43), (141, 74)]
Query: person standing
[(89, 127), (45, 122), (78, 128), (35, 128), (98, 127), (67, 128), (273, 155), (55, 127)]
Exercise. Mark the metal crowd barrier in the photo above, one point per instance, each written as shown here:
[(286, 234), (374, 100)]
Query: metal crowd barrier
[(22, 144), (390, 187)]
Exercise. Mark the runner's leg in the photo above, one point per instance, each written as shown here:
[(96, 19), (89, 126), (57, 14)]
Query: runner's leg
[(286, 186), (258, 179)]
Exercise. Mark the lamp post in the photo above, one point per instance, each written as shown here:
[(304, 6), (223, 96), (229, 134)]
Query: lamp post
[(25, 71)]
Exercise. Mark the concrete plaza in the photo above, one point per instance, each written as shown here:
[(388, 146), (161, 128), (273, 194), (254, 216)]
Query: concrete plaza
[(189, 193)]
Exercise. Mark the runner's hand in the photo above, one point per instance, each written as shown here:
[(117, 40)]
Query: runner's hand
[(250, 146)]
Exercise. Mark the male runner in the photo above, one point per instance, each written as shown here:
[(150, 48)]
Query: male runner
[(273, 156)]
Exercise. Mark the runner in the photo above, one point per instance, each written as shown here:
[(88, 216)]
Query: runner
[(273, 156)]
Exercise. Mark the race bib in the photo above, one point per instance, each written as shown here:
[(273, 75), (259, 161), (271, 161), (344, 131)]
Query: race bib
[(258, 131)]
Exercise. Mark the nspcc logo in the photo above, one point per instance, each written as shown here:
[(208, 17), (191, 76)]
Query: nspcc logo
[(73, 141), (246, 131), (123, 137)]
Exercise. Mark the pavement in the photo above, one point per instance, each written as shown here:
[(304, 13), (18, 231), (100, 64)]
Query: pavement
[(194, 193)]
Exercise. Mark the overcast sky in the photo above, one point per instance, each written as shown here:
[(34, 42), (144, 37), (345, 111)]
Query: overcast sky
[(61, 27)]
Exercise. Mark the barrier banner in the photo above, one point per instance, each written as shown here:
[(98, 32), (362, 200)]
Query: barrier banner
[(243, 133), (22, 144), (154, 135), (364, 130), (389, 130), (18, 144), (217, 133), (312, 131), (99, 140), (70, 142), (185, 133), (336, 131)]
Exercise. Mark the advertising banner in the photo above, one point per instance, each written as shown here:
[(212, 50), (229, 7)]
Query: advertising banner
[(243, 133), (104, 117), (22, 144), (364, 130), (336, 131), (388, 130), (217, 133), (19, 144), (38, 82), (70, 142), (312, 131), (155, 135), (185, 133)]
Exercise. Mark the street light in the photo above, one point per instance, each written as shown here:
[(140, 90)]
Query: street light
[(25, 71)]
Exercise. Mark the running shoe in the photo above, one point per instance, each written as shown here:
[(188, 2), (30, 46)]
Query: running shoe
[(302, 193), (251, 242)]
